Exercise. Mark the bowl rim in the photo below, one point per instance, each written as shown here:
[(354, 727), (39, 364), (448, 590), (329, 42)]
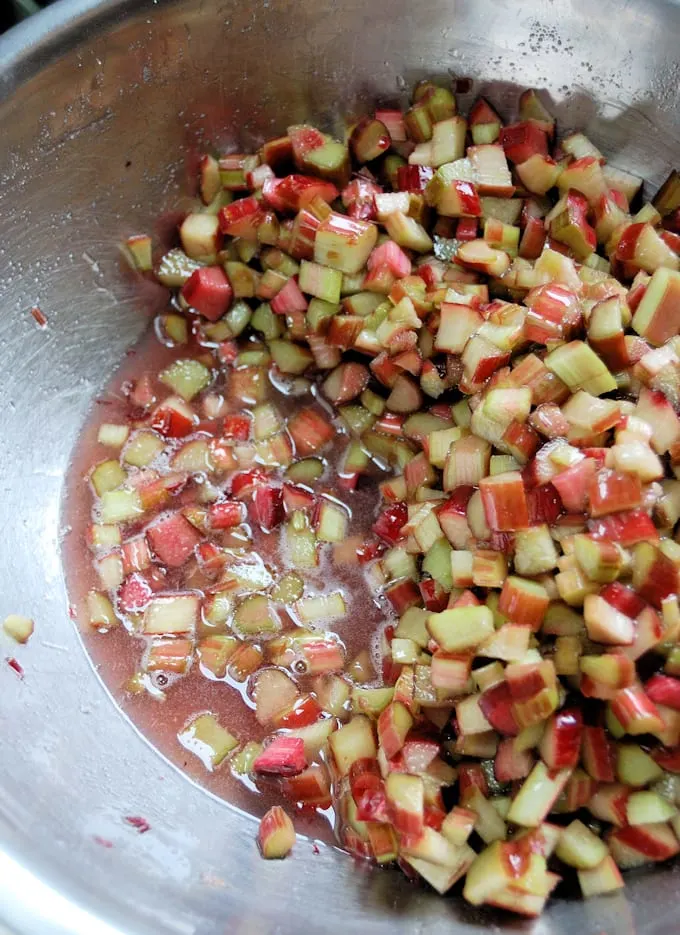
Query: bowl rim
[(30, 902), (32, 44)]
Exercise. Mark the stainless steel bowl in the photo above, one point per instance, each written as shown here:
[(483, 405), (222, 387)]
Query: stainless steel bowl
[(105, 104)]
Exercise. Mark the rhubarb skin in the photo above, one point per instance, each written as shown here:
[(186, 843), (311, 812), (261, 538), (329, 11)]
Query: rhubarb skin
[(276, 835), (504, 500)]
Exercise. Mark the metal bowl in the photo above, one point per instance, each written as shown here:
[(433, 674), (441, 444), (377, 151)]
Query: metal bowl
[(105, 105)]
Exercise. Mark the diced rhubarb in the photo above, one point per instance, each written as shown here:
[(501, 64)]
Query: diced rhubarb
[(635, 846), (296, 192), (289, 299), (276, 834), (627, 528), (522, 140), (208, 740), (561, 742), (664, 690), (209, 291), (422, 331), (537, 795), (389, 523), (523, 601), (310, 431), (604, 878), (343, 243), (504, 501), (18, 627), (284, 756), (478, 255), (597, 754), (655, 574), (413, 178), (658, 317), (580, 848), (173, 539), (241, 218), (346, 382), (459, 629), (568, 225), (612, 491), (636, 712), (605, 624), (452, 517), (405, 795), (225, 514), (169, 655), (393, 726), (623, 599), (496, 705), (353, 742), (267, 507), (135, 593)]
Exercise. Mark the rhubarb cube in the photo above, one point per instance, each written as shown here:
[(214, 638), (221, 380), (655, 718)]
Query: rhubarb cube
[(504, 500), (276, 834), (208, 740), (605, 878), (209, 291), (343, 243), (657, 317), (405, 795), (580, 848), (173, 539), (461, 628), (284, 756), (537, 795)]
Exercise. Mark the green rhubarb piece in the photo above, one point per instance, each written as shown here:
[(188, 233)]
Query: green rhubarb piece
[(186, 378), (330, 161), (319, 314), (100, 612), (120, 506), (374, 403), (290, 357), (418, 121), (208, 740), (301, 541), (254, 617), (437, 563), (143, 448), (320, 281), (242, 762), (307, 471), (357, 419), (288, 589), (176, 328), (254, 357), (266, 322), (461, 628), (237, 318), (371, 701), (391, 165), (175, 268), (577, 365), (107, 476)]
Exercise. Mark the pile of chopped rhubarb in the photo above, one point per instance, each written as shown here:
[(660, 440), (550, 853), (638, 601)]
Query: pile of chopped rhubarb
[(485, 320)]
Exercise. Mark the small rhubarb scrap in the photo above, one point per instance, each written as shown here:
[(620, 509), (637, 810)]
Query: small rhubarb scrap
[(18, 627), (276, 835)]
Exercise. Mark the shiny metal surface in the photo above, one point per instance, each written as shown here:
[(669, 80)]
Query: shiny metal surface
[(104, 106)]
